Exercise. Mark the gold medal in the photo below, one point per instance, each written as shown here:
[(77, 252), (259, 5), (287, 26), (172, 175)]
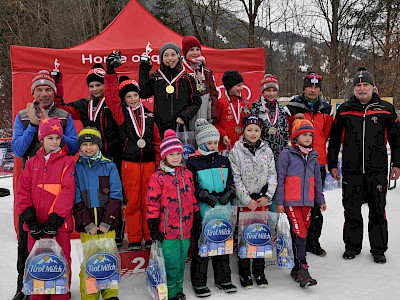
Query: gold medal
[(238, 129), (272, 130), (198, 87), (169, 89), (141, 143)]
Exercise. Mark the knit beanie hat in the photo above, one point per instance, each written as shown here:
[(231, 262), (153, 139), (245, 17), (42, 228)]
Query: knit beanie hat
[(127, 85), (49, 126), (90, 134), (252, 120), (169, 45), (96, 73), (43, 77), (300, 126), (362, 75), (170, 143), (269, 81), (189, 42), (205, 132), (311, 79), (231, 78)]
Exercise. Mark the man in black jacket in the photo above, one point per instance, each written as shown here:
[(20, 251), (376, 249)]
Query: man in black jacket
[(363, 125)]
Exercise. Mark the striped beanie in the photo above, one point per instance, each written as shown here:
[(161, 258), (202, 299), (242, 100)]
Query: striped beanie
[(49, 126), (43, 77), (300, 126), (269, 81), (96, 73), (252, 120), (170, 143), (205, 132), (90, 134), (362, 75)]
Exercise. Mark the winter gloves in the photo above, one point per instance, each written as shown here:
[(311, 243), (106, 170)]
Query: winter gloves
[(113, 61), (51, 227), (30, 218), (153, 227), (36, 229), (262, 193), (212, 198)]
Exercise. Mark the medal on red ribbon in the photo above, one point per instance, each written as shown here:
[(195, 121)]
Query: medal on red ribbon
[(94, 111), (141, 143), (170, 89)]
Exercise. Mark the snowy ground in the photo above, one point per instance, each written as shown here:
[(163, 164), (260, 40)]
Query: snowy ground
[(338, 279)]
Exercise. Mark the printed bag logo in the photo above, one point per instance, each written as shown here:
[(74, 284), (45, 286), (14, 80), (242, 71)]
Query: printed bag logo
[(46, 266), (187, 150), (280, 243), (153, 274), (257, 234), (102, 265), (218, 230)]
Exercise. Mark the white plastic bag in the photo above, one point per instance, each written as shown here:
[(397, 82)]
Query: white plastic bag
[(101, 264), (218, 231), (188, 139), (156, 279), (284, 250), (46, 269)]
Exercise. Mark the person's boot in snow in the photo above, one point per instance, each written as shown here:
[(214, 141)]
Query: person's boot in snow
[(202, 291), (259, 276), (245, 278), (302, 276), (227, 287)]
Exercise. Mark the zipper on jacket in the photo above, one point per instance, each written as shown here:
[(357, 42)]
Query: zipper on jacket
[(165, 222), (363, 141), (180, 203)]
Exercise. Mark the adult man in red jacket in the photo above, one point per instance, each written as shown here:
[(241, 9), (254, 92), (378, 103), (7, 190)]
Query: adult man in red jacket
[(320, 113)]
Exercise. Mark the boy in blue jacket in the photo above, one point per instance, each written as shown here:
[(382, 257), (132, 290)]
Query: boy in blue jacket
[(299, 187), (98, 199), (213, 186)]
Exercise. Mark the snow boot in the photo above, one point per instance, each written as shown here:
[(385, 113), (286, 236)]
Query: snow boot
[(259, 276), (147, 244), (134, 246), (181, 296), (302, 276), (202, 291), (349, 254), (379, 258), (227, 287), (317, 251), (245, 278)]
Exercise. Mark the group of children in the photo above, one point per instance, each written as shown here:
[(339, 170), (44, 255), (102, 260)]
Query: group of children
[(166, 196)]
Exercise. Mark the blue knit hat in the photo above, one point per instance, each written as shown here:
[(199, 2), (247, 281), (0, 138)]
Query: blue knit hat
[(252, 120)]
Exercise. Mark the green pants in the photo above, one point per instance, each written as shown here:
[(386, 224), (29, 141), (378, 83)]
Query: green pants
[(175, 254), (106, 294)]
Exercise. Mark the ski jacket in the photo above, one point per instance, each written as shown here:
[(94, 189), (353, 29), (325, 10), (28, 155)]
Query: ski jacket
[(226, 122), (98, 197), (321, 115), (252, 172), (299, 179), (171, 199), (184, 102), (48, 186), (364, 131), (25, 141), (210, 172), (280, 139), (129, 137)]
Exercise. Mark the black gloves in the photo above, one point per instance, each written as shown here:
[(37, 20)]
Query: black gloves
[(30, 218), (208, 198), (55, 222), (153, 227), (197, 224), (228, 196), (262, 193), (113, 61)]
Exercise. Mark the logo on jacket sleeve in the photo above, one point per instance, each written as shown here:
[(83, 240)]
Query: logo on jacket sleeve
[(102, 265), (257, 234), (46, 266), (218, 230)]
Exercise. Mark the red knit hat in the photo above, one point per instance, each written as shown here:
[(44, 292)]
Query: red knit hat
[(300, 126), (49, 126), (43, 77), (188, 42), (269, 81), (170, 143), (96, 73)]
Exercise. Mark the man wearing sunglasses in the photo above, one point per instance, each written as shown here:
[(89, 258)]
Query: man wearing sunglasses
[(311, 105)]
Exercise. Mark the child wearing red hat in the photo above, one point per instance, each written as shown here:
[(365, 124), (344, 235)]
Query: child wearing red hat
[(194, 64), (299, 187), (46, 193)]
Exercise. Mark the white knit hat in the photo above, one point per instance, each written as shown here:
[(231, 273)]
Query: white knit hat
[(205, 132)]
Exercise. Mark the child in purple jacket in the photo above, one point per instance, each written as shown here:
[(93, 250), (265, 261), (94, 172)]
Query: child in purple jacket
[(299, 185)]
